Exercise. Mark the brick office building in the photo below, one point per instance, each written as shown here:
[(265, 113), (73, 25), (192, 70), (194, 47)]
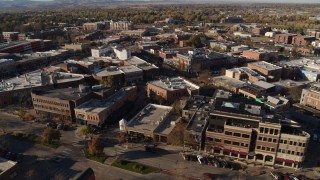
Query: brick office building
[(302, 40), (261, 55), (272, 72), (284, 38)]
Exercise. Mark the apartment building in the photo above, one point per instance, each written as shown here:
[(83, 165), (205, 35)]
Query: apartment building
[(120, 25), (241, 129), (302, 40), (98, 111), (271, 71), (94, 26), (77, 46), (171, 89), (244, 73), (311, 96), (284, 38), (30, 45)]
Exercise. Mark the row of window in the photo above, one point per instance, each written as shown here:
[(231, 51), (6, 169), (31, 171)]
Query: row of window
[(266, 148), (267, 139), (236, 143), (50, 102), (51, 108), (293, 143), (290, 152), (269, 131), (236, 134)]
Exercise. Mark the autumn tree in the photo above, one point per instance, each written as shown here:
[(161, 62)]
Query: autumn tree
[(50, 135), (95, 146)]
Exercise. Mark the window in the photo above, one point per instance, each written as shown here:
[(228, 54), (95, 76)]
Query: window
[(266, 130), (279, 150), (303, 144), (269, 139), (285, 142), (274, 141), (235, 143), (294, 143), (237, 134), (281, 141), (272, 149), (268, 149), (245, 136), (290, 142), (244, 145), (298, 153), (209, 139), (292, 152), (228, 133), (227, 142), (264, 139), (283, 150), (217, 140), (263, 148), (300, 144), (276, 131), (258, 147), (271, 131), (261, 130), (260, 138)]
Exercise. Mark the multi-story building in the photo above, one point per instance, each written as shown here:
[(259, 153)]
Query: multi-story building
[(315, 33), (221, 45), (241, 129), (302, 40), (10, 36), (111, 76), (26, 46), (122, 53), (93, 26), (244, 73), (311, 96), (120, 25), (132, 73), (98, 111), (284, 38), (260, 30), (171, 89), (271, 71), (100, 51), (195, 62), (77, 46), (261, 55)]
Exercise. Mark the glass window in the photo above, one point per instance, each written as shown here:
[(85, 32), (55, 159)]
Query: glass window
[(228, 133), (263, 148), (271, 131), (294, 143), (276, 131), (235, 143), (266, 130), (217, 140), (261, 130), (269, 139), (260, 138), (237, 134), (227, 142), (274, 141), (245, 136)]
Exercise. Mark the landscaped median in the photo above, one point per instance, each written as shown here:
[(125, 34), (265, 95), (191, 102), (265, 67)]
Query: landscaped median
[(35, 139), (135, 167), (99, 157)]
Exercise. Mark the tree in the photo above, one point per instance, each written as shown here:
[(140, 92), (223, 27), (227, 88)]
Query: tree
[(197, 40), (95, 146), (50, 135), (85, 131), (121, 137)]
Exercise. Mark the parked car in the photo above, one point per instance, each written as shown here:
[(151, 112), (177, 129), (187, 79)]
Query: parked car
[(150, 148), (200, 159), (193, 158), (8, 155), (225, 164)]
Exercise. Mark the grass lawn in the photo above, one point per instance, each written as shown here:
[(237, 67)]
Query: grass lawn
[(134, 167), (32, 138), (99, 157)]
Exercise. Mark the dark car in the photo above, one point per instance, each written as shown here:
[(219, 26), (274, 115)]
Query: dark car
[(150, 148), (216, 163), (235, 166), (225, 164)]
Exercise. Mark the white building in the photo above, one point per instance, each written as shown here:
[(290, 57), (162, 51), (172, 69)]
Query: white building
[(100, 51), (270, 34), (122, 53)]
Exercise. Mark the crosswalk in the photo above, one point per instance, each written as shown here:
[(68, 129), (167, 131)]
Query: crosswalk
[(77, 142), (61, 173)]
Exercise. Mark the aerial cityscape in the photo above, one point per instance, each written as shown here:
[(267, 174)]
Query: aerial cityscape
[(159, 90)]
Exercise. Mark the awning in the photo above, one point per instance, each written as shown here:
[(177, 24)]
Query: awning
[(296, 162), (216, 148), (235, 152), (279, 159), (243, 153), (288, 161), (226, 150)]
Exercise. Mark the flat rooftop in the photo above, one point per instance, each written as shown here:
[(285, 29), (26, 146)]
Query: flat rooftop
[(149, 118), (231, 81), (266, 65), (5, 165), (83, 62), (167, 125), (98, 105), (69, 94), (197, 122), (197, 101), (264, 84), (130, 69), (109, 71), (175, 83), (134, 60), (31, 79)]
